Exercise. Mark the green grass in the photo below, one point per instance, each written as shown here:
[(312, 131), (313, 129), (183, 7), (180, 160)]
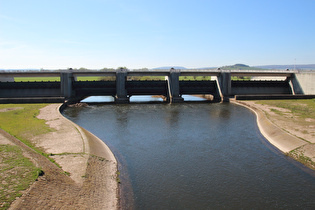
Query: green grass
[(198, 78), (109, 78), (57, 79), (299, 156), (36, 79), (16, 174), (23, 124), (300, 107), (182, 78), (143, 78), (277, 111), (246, 78)]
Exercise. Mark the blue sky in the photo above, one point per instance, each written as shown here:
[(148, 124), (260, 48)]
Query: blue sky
[(142, 33)]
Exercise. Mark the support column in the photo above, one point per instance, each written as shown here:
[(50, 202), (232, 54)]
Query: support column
[(295, 85), (66, 80), (173, 87), (121, 92), (224, 81)]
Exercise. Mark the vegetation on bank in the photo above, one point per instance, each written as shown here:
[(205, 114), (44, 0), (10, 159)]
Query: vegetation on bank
[(300, 108), (21, 122), (302, 114), (18, 172)]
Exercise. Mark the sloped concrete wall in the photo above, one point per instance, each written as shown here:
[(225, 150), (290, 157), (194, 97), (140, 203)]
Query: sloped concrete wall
[(306, 82)]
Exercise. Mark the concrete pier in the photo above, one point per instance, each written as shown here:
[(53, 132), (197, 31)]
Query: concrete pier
[(66, 80), (173, 87), (224, 81), (121, 91)]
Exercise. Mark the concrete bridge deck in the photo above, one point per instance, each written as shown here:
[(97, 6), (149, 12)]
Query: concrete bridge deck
[(222, 87)]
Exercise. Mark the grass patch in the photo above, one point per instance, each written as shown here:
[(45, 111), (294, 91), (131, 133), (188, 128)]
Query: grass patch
[(16, 174), (23, 123), (197, 78), (57, 79), (299, 156), (144, 78), (96, 78), (37, 79), (117, 177), (304, 108), (241, 78), (277, 111)]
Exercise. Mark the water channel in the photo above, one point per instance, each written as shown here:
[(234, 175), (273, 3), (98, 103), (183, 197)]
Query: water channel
[(196, 156)]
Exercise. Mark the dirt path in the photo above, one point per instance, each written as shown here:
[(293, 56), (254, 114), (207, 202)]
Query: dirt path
[(92, 167)]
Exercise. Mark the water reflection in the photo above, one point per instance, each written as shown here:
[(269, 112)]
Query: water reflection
[(93, 99), (193, 98), (140, 98), (146, 98)]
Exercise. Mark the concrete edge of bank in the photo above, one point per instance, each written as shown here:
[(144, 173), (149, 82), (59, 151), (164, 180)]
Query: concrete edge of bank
[(282, 140), (95, 146)]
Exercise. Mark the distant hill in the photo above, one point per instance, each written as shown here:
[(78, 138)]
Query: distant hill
[(297, 67), (240, 67)]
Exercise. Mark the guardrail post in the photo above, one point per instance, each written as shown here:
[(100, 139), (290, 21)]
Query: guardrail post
[(173, 86), (121, 92), (66, 80)]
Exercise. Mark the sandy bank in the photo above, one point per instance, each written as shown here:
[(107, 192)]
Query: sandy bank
[(91, 169)]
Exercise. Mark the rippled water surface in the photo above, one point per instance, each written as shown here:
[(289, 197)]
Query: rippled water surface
[(196, 156)]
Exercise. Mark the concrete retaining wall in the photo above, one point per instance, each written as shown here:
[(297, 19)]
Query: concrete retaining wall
[(306, 82)]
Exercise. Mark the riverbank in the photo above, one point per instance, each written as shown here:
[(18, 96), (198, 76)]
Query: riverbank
[(87, 178), (294, 138), (88, 173)]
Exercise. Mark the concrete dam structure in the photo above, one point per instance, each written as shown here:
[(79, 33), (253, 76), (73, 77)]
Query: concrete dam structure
[(121, 86)]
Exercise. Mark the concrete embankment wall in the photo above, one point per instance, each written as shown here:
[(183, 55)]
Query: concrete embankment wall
[(306, 82), (282, 140), (95, 146)]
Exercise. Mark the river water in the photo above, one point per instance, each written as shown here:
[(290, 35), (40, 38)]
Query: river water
[(196, 156)]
